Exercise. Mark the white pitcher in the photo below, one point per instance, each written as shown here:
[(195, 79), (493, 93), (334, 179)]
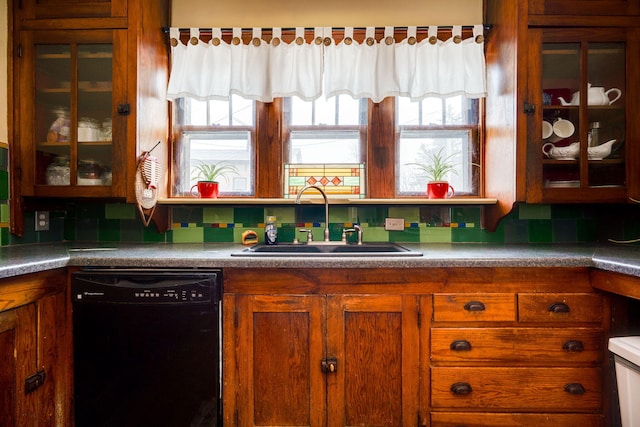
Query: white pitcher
[(596, 95)]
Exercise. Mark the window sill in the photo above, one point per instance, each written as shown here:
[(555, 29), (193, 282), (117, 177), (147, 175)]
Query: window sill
[(332, 201)]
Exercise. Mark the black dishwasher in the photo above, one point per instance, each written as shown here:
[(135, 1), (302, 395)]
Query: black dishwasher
[(146, 347)]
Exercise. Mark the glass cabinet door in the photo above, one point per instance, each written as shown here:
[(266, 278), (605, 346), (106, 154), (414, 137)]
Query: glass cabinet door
[(73, 113), (583, 115)]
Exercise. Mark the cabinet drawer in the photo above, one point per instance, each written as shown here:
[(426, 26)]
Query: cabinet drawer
[(474, 307), (474, 419), (535, 346), (517, 389), (545, 307)]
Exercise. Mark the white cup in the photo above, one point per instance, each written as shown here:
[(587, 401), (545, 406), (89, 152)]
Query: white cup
[(562, 129), (547, 129)]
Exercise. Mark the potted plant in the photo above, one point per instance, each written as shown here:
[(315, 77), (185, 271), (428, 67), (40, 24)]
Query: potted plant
[(435, 169), (208, 175)]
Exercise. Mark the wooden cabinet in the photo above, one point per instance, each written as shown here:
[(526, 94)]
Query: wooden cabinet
[(444, 346), (546, 63), (530, 357), (315, 360), (89, 85), (45, 9), (35, 351), (78, 128)]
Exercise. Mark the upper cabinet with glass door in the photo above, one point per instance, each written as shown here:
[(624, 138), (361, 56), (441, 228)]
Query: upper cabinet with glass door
[(74, 120), (44, 9), (583, 139)]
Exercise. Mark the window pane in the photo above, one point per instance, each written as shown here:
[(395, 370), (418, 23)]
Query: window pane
[(431, 126), (237, 112), (454, 111), (223, 148), (215, 133), (325, 130), (325, 147), (420, 146), (338, 110), (196, 113)]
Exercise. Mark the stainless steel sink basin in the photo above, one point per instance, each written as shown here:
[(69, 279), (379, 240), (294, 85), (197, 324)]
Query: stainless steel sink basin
[(327, 249)]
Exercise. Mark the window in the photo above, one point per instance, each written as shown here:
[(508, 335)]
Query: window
[(326, 130), (327, 140), (325, 144), (446, 126), (213, 132)]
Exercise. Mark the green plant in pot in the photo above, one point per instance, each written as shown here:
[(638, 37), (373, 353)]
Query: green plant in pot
[(208, 176), (436, 169)]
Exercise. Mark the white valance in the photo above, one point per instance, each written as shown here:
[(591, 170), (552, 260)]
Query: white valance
[(266, 68)]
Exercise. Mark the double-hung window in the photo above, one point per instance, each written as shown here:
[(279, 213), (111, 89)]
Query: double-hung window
[(325, 144), (215, 133), (448, 127)]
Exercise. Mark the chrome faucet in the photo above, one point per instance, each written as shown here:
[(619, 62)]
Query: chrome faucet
[(356, 227), (326, 207), (360, 232)]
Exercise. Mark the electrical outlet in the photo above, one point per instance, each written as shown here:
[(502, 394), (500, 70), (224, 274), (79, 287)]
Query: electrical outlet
[(394, 224), (42, 220)]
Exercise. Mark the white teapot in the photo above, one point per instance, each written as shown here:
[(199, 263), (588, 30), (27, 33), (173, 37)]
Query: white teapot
[(596, 95)]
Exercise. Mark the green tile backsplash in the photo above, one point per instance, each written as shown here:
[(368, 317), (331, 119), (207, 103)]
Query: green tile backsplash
[(527, 224)]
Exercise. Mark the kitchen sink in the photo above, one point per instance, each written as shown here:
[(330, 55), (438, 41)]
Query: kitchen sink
[(327, 249)]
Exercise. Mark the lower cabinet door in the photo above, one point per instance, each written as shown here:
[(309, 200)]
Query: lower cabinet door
[(273, 375), (519, 389), (475, 419)]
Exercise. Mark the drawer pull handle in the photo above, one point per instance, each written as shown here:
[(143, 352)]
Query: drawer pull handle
[(559, 307), (573, 346), (461, 388), (460, 345), (474, 306), (574, 388)]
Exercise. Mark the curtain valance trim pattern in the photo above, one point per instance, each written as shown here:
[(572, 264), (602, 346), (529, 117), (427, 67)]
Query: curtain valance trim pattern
[(381, 62)]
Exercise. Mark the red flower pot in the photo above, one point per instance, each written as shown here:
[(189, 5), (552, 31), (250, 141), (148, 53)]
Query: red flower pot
[(439, 190), (206, 190)]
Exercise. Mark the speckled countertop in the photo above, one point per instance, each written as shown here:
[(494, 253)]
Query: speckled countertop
[(17, 260)]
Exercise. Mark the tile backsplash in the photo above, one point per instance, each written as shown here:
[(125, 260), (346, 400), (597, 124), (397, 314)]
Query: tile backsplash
[(115, 222)]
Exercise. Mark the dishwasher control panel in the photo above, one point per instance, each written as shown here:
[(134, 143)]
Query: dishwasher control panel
[(144, 287)]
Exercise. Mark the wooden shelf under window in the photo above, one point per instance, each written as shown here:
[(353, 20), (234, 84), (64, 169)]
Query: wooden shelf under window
[(319, 200)]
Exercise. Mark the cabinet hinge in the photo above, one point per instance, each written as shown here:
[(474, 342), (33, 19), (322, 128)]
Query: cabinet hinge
[(529, 108), (19, 51)]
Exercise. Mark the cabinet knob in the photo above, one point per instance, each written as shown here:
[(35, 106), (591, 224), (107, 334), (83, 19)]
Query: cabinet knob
[(559, 307), (461, 388), (474, 306), (574, 388), (460, 345), (573, 346)]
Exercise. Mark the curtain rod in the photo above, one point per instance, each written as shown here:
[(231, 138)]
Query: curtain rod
[(442, 27)]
